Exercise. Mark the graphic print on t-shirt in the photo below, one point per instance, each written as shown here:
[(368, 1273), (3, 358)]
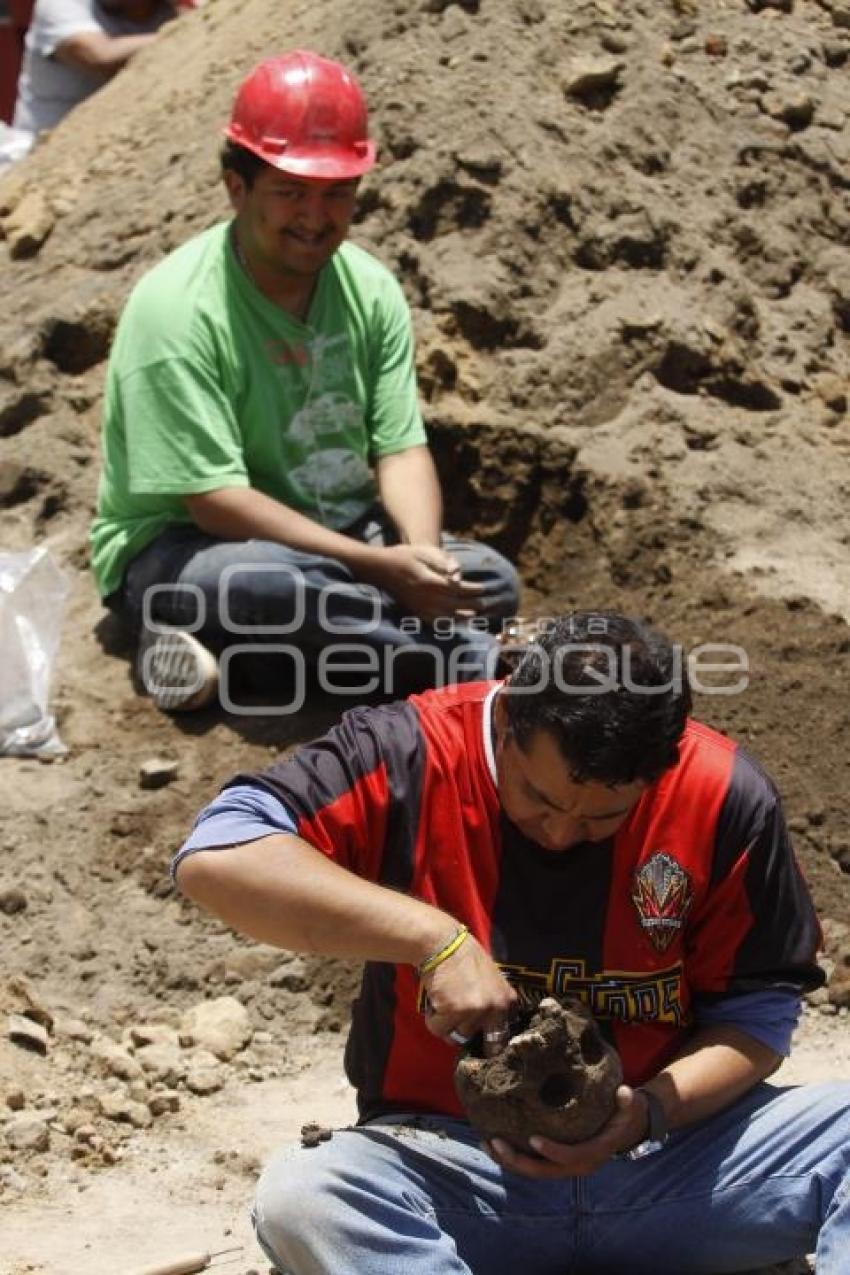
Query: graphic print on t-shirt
[(613, 995), (330, 471), (662, 895)]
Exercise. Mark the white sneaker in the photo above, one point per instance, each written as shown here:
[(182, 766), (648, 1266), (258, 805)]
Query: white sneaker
[(177, 672)]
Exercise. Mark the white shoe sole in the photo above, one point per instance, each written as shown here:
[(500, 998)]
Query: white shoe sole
[(178, 673)]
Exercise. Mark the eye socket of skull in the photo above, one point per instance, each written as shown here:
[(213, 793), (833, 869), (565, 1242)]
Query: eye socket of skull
[(591, 1045), (558, 1089)]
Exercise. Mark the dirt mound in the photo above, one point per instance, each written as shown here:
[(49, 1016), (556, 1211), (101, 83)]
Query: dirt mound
[(623, 233)]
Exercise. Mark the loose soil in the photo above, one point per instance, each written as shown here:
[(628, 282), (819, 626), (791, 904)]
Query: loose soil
[(622, 231)]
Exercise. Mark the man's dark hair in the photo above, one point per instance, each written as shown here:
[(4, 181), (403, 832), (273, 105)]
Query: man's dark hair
[(238, 159), (612, 692)]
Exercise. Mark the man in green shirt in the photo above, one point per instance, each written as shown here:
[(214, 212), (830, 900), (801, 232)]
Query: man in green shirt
[(266, 476)]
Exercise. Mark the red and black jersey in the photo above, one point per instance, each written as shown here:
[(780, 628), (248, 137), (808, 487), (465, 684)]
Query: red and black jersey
[(697, 895)]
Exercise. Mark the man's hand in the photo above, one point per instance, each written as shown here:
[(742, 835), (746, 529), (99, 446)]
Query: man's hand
[(627, 1126), (426, 581), (467, 993)]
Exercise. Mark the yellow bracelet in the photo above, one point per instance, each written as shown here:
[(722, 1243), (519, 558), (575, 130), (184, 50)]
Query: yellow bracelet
[(431, 962)]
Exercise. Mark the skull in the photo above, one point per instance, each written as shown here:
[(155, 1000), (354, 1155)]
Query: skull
[(557, 1077)]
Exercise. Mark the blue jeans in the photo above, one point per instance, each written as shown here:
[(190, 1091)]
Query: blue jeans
[(263, 594), (764, 1181)]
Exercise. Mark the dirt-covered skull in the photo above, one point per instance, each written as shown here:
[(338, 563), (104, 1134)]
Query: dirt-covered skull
[(557, 1077)]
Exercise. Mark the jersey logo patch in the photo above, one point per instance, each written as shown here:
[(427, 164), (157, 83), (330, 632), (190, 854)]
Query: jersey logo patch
[(663, 895)]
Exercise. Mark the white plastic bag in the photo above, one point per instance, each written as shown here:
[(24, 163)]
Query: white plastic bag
[(33, 591)]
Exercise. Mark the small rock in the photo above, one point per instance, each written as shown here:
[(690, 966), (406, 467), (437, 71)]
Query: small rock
[(587, 76), (164, 1063), (614, 42), (205, 1075), (835, 52), (794, 109), (23, 1031), (12, 901), (124, 1110), (153, 1034), (11, 1179), (833, 117), (75, 1029), (716, 45), (28, 225), (454, 24), (85, 1133), (292, 976), (75, 1119), (313, 1134), (115, 1061), (157, 772), (833, 390), (683, 30), (222, 1026), (16, 1100), (164, 1102), (28, 1133), (25, 1000)]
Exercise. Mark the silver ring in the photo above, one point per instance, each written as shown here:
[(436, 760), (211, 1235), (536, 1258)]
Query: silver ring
[(458, 1038), (496, 1037)]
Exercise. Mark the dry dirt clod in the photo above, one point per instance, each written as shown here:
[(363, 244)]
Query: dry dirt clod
[(156, 772), (162, 1103), (75, 1029), (164, 1063), (125, 1110), (23, 1031), (28, 225), (313, 1134), (794, 109), (205, 1075), (28, 1133), (113, 1060), (716, 46), (222, 1026), (590, 76), (13, 901), (20, 997), (557, 1078)]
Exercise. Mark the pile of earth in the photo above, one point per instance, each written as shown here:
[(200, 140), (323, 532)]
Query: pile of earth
[(622, 231)]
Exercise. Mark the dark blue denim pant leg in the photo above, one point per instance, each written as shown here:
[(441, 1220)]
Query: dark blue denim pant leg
[(257, 593)]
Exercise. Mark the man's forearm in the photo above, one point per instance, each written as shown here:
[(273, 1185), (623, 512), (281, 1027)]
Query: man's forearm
[(410, 493), (282, 891), (96, 51), (719, 1065), (243, 513)]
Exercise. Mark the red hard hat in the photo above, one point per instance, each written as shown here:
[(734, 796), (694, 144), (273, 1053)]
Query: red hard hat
[(304, 115)]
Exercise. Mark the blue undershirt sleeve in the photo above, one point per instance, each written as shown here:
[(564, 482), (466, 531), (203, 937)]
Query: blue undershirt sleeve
[(770, 1017), (239, 814)]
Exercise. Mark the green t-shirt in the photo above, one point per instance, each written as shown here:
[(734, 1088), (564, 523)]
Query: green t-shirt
[(212, 385)]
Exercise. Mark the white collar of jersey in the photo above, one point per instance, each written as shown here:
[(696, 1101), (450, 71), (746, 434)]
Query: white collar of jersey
[(487, 727)]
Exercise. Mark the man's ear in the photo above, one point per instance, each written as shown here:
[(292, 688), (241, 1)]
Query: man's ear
[(236, 189)]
